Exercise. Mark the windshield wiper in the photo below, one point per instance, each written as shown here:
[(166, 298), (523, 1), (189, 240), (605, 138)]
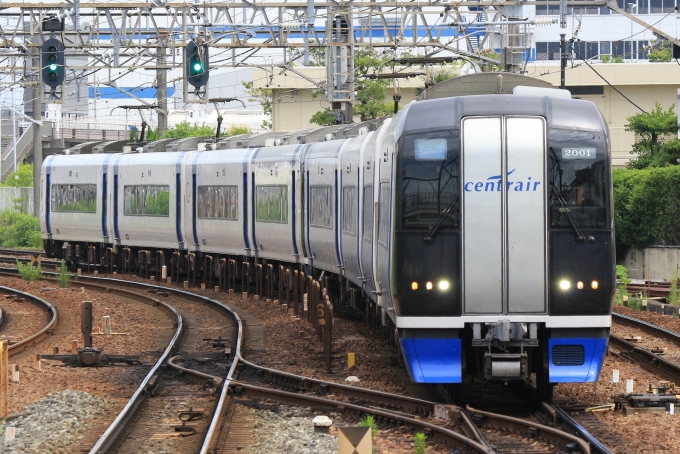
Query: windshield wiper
[(433, 231), (566, 210)]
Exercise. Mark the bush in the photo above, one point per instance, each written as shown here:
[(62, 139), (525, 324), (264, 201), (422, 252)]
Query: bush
[(64, 279), (19, 230), (28, 272), (646, 206), (22, 178), (621, 282)]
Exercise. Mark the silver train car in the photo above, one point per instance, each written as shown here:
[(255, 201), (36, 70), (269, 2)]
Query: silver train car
[(478, 229)]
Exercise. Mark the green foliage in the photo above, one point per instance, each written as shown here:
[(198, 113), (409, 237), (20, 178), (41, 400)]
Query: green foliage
[(370, 100), (651, 150), (621, 281), (369, 421), (264, 97), (64, 278), (419, 440), (186, 129), (646, 206), (236, 130), (28, 272), (19, 230), (323, 118), (151, 135), (661, 54), (674, 295), (22, 178)]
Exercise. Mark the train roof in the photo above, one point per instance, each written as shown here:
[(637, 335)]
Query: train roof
[(446, 113)]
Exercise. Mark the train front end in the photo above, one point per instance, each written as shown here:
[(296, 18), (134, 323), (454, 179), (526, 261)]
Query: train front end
[(503, 253)]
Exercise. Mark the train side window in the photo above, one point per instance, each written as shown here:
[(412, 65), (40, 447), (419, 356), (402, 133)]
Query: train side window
[(217, 202), (146, 200), (74, 198), (368, 212), (321, 207), (384, 213), (271, 204), (349, 210)]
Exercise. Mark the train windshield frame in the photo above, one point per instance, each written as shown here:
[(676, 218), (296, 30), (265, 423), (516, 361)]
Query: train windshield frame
[(578, 178), (428, 181)]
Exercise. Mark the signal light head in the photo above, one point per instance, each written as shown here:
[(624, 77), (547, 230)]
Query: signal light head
[(197, 66), (53, 66)]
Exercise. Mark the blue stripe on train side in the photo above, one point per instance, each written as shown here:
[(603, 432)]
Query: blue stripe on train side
[(48, 192), (105, 195), (194, 200), (178, 196), (116, 162)]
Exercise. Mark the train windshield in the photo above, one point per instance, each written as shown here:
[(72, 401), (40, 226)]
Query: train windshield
[(429, 181), (578, 175)]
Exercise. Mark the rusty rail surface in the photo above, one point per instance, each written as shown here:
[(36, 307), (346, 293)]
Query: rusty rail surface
[(40, 335), (539, 430)]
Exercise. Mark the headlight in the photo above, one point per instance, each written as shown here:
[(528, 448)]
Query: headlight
[(414, 286), (428, 286), (579, 285), (564, 284), (594, 285), (443, 285)]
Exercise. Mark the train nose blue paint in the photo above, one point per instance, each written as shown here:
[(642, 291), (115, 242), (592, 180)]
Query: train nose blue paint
[(433, 360), (576, 360)]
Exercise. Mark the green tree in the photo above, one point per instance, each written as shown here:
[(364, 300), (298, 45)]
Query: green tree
[(263, 96), (323, 118), (235, 130), (22, 178), (651, 149), (661, 54), (186, 129), (370, 100)]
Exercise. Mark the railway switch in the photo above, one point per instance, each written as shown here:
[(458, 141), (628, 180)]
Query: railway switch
[(88, 356)]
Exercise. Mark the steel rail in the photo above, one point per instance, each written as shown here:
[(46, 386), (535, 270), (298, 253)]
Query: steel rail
[(318, 402), (595, 446), (109, 437), (646, 359), (523, 425), (215, 423), (19, 346), (647, 327), (417, 406), (119, 424)]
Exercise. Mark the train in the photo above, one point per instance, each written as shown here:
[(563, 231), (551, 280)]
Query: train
[(476, 230)]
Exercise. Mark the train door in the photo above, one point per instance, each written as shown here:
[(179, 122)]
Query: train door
[(504, 215)]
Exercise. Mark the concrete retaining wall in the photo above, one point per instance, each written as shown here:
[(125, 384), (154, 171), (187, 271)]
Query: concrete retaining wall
[(652, 262)]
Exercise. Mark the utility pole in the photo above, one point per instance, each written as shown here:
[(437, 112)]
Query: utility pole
[(161, 90), (563, 60), (340, 61), (37, 131)]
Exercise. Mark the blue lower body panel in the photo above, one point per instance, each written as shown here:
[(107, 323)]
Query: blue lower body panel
[(576, 359), (433, 360)]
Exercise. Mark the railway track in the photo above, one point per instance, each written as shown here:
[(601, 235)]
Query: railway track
[(257, 382), (33, 339)]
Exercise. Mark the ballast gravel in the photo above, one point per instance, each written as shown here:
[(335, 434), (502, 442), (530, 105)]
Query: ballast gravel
[(54, 423), (290, 431)]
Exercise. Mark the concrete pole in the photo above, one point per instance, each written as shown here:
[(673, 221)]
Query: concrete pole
[(162, 91), (37, 133)]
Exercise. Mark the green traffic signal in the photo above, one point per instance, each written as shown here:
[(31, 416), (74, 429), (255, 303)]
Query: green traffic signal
[(197, 66), (53, 67)]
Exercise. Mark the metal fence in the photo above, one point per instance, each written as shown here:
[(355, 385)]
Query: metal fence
[(16, 199)]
